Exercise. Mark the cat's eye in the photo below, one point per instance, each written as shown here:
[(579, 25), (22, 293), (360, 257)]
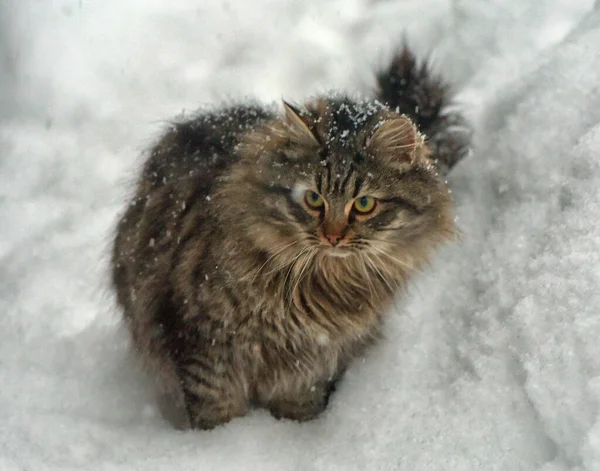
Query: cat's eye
[(365, 204), (313, 200)]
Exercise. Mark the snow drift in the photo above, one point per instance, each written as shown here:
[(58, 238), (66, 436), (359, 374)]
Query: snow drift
[(491, 363)]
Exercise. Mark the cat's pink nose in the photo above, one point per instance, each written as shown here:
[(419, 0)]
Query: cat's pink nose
[(333, 238)]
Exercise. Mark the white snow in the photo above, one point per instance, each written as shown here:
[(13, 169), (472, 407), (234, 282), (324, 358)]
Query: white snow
[(493, 360)]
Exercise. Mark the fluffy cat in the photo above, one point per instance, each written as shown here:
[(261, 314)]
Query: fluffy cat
[(260, 251)]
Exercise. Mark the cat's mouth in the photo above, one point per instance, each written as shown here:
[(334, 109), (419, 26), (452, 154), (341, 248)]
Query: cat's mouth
[(337, 252)]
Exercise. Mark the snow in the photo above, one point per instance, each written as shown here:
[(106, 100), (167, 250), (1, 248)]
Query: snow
[(492, 360)]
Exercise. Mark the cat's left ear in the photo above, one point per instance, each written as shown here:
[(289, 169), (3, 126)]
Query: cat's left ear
[(298, 128), (397, 141)]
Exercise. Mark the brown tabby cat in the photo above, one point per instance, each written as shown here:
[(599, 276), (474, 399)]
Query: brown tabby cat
[(260, 251)]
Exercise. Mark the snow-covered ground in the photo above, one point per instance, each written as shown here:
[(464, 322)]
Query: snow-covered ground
[(491, 363)]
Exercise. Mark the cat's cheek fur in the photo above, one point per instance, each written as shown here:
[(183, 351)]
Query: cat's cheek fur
[(269, 238)]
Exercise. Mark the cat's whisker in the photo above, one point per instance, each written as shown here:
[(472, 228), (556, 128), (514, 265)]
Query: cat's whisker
[(283, 265), (383, 278), (407, 146), (392, 274), (367, 277), (307, 262), (390, 229), (304, 272), (272, 257), (412, 268), (298, 278), (397, 283), (291, 269)]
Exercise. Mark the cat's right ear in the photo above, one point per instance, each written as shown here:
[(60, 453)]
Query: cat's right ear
[(297, 127), (397, 141)]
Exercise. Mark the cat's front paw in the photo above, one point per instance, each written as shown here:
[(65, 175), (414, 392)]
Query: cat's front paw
[(208, 415), (304, 407)]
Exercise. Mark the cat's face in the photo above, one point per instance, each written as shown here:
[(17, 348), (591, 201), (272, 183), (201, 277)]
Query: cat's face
[(347, 185)]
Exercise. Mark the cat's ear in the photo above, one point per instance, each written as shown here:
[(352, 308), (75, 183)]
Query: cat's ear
[(397, 141), (297, 127)]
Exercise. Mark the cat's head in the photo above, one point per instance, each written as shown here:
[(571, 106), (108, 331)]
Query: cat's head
[(342, 179)]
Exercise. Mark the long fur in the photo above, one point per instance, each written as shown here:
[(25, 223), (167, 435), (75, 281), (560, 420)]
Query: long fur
[(230, 293), (412, 87)]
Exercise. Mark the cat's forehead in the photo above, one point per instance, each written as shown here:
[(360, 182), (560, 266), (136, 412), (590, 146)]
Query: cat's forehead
[(345, 173), (343, 127), (340, 122), (341, 164)]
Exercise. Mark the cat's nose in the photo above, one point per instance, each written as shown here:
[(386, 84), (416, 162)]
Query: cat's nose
[(333, 231), (333, 239)]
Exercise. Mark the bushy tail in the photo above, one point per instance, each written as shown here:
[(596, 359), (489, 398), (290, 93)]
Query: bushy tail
[(412, 87)]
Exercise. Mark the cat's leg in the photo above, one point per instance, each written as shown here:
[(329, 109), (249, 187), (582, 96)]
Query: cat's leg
[(172, 408), (214, 392), (301, 403), (169, 395)]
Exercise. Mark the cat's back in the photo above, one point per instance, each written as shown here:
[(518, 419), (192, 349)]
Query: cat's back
[(170, 200), (202, 146)]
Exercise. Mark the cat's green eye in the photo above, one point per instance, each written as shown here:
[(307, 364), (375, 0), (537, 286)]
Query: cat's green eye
[(365, 204), (313, 200)]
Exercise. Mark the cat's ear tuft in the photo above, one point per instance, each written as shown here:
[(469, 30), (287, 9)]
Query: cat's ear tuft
[(299, 130), (396, 140)]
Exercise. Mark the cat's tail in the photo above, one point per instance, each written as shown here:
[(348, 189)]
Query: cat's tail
[(413, 88)]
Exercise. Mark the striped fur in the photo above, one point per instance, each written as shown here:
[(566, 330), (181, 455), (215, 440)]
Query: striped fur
[(230, 291)]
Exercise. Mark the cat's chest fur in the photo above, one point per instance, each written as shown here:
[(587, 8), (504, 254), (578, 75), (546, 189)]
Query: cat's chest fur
[(283, 323)]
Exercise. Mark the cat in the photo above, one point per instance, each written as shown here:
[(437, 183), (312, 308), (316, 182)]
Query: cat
[(261, 250)]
